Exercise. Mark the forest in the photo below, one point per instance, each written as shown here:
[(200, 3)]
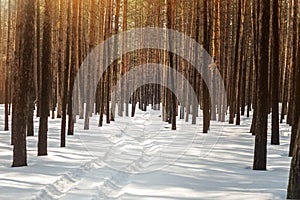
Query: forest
[(82, 66)]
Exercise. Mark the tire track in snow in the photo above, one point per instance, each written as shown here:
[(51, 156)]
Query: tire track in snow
[(114, 187), (66, 182), (136, 155)]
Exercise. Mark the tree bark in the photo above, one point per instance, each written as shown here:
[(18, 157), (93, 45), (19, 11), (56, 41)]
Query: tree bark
[(206, 101), (294, 179), (45, 89), (260, 152), (275, 139)]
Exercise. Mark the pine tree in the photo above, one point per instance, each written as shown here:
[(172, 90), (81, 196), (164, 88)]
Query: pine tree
[(260, 152), (7, 76), (294, 179), (45, 89), (170, 25), (275, 74), (206, 46), (66, 72), (24, 69)]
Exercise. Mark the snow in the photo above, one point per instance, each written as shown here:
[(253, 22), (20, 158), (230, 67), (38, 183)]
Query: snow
[(141, 158)]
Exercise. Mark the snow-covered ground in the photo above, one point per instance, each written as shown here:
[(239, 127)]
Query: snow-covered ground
[(141, 158)]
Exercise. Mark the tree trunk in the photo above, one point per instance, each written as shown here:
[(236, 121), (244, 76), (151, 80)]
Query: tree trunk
[(7, 75), (292, 114), (60, 60), (206, 101), (294, 179), (66, 78), (20, 103), (45, 89), (170, 24), (89, 73), (260, 152), (73, 67), (38, 57), (275, 75)]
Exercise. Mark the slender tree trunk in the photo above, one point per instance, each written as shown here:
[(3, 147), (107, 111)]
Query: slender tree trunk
[(275, 75), (292, 114), (115, 64), (123, 64), (255, 15), (45, 89), (170, 24), (294, 179), (260, 152), (7, 99), (60, 60), (66, 78), (89, 73), (38, 56), (206, 101), (235, 66), (73, 67), (16, 70), (29, 64)]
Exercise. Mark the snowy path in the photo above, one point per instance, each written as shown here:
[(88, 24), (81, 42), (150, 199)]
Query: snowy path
[(132, 162)]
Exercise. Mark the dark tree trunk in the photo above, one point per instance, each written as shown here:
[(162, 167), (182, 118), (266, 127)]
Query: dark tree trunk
[(206, 101), (73, 67), (24, 69), (66, 79), (170, 19), (234, 82), (260, 152), (38, 57), (292, 114), (275, 76), (45, 89), (294, 180), (29, 64)]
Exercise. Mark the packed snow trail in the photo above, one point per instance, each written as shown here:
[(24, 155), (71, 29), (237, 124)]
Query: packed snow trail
[(140, 158), (110, 182)]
